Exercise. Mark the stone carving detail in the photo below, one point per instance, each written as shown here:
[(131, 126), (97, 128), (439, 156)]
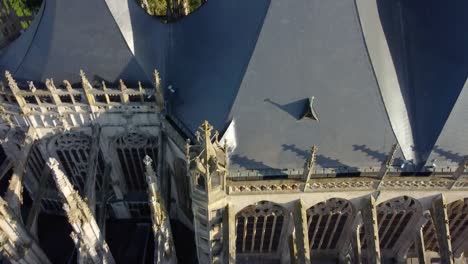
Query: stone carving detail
[(294, 187), (400, 204), (58, 107), (164, 246), (331, 206), (130, 149), (263, 208), (339, 185), (86, 233), (416, 184), (73, 152), (136, 140), (73, 140)]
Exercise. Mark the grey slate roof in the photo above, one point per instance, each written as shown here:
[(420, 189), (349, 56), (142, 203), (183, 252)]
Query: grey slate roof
[(257, 62), (72, 35)]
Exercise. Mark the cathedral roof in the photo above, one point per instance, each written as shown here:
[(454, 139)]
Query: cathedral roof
[(352, 77)]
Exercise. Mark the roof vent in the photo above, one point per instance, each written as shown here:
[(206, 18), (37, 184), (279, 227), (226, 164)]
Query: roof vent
[(309, 111)]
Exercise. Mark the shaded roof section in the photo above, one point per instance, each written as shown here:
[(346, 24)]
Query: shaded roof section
[(73, 35), (451, 145), (211, 49), (146, 37), (428, 44)]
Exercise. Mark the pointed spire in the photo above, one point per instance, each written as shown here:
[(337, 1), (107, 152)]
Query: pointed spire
[(85, 82), (87, 87), (123, 97), (86, 232), (309, 165), (140, 89), (70, 90), (164, 246), (104, 87), (122, 85), (389, 161), (33, 89), (15, 90), (53, 91), (159, 92), (11, 82)]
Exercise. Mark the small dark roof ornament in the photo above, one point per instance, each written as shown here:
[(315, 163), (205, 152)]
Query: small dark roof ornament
[(309, 111)]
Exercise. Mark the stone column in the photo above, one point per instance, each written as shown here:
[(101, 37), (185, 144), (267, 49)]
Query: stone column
[(33, 215), (411, 235), (420, 247), (441, 224), (116, 179), (356, 245), (230, 234), (301, 232), (90, 186), (14, 193), (461, 244), (369, 217)]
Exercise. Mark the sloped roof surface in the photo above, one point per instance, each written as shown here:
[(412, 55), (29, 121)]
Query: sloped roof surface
[(428, 44), (380, 71), (73, 35)]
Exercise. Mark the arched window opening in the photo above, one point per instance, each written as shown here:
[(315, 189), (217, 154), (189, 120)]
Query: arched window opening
[(131, 149), (73, 151), (259, 228), (326, 222), (201, 182), (393, 217)]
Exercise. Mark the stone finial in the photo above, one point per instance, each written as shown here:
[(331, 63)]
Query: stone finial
[(32, 87), (147, 160), (123, 97), (68, 85), (87, 87), (50, 85), (122, 85)]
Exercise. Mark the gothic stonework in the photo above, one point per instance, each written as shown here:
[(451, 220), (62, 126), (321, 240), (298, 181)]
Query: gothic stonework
[(120, 154)]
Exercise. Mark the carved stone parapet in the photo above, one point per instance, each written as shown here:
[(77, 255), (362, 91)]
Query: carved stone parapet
[(402, 183), (267, 186)]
